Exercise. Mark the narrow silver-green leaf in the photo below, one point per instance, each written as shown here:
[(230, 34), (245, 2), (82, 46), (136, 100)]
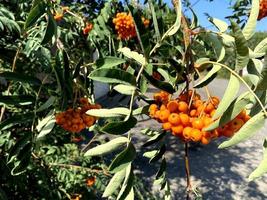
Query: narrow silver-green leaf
[(123, 159), (261, 47), (249, 129), (133, 55), (109, 62), (107, 147), (262, 168), (177, 23), (250, 26), (125, 89), (229, 95), (107, 75), (209, 77), (222, 26), (114, 183), (113, 112), (241, 46)]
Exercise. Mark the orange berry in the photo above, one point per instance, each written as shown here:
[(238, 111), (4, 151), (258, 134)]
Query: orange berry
[(200, 109), (164, 115), (247, 117), (187, 132), (228, 133), (172, 106), (167, 126), (198, 123), (209, 108), (83, 100), (58, 16), (212, 113), (205, 140), (197, 96), (153, 107), (242, 114), (184, 119), (197, 103), (174, 119), (215, 101), (215, 134), (91, 181), (195, 135), (163, 107), (183, 106), (193, 113), (157, 113), (152, 113), (236, 124), (207, 121), (177, 130)]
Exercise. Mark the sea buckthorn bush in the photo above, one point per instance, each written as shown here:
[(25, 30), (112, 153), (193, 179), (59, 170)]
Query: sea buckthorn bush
[(57, 142)]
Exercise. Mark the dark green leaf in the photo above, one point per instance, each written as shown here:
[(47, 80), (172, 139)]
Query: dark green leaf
[(35, 13), (16, 100), (51, 29), (20, 77), (211, 75), (118, 128), (17, 119), (109, 62), (113, 76), (124, 159)]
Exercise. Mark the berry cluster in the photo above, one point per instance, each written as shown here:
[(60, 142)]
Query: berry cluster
[(87, 28), (75, 120), (124, 25), (263, 9), (187, 116)]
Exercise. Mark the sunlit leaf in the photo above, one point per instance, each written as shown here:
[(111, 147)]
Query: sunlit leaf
[(107, 147), (113, 112), (229, 95), (209, 77), (123, 159), (107, 75), (249, 129), (109, 62), (133, 55)]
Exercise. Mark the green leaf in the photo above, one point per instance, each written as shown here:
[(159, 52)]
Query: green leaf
[(16, 100), (150, 154), (222, 26), (20, 144), (261, 48), (209, 77), (127, 185), (47, 104), (125, 89), (242, 51), (20, 77), (166, 86), (121, 127), (154, 139), (113, 76), (263, 78), (51, 29), (46, 126), (133, 55), (141, 110), (175, 27), (35, 13), (113, 112), (114, 183), (159, 154), (249, 129), (232, 111), (229, 95), (250, 26), (107, 147), (109, 62), (17, 119), (123, 159), (262, 168)]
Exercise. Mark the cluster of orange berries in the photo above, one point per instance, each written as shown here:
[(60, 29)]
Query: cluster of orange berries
[(189, 121), (75, 120), (87, 28), (263, 9), (124, 25)]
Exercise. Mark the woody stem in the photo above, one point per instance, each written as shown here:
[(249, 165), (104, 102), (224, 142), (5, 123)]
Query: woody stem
[(187, 171)]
